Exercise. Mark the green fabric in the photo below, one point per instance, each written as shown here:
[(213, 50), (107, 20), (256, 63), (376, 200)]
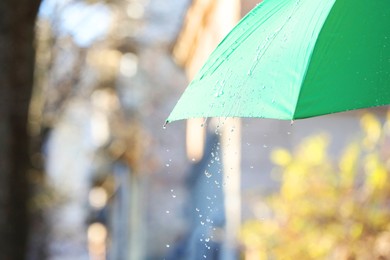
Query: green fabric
[(350, 66), (290, 59)]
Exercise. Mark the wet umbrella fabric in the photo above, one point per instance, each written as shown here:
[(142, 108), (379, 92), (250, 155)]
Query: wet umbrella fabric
[(293, 59)]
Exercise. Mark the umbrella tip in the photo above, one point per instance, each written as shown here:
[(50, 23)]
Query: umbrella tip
[(165, 124)]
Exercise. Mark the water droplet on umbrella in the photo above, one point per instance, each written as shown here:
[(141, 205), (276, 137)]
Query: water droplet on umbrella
[(219, 93)]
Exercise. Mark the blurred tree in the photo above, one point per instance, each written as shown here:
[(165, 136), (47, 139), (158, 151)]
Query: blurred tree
[(328, 209), (17, 54)]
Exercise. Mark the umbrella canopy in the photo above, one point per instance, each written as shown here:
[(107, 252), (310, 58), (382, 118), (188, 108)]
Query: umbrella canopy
[(292, 59)]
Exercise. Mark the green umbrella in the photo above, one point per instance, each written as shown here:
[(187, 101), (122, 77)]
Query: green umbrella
[(292, 59)]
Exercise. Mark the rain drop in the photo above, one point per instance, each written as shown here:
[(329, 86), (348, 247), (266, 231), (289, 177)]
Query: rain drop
[(204, 123), (219, 93), (208, 175), (207, 239), (167, 211), (167, 245)]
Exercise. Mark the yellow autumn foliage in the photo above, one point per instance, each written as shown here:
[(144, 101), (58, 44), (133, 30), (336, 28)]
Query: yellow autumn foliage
[(328, 209)]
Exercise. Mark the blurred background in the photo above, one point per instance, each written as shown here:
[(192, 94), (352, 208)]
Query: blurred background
[(98, 175)]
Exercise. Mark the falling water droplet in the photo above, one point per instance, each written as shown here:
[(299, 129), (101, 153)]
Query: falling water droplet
[(167, 164), (167, 211), (167, 245), (204, 123), (197, 209), (208, 175)]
